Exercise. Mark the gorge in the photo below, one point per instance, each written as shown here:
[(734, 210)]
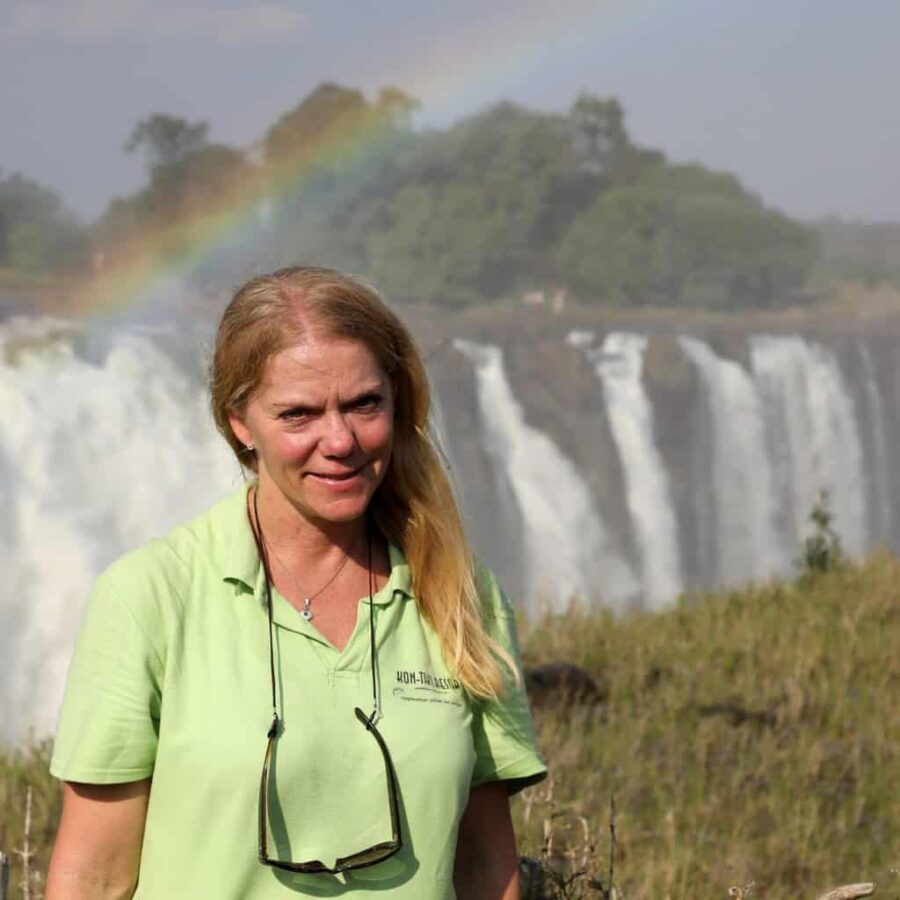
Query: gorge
[(618, 460)]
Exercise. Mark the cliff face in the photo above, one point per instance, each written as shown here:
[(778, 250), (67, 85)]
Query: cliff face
[(665, 453), (619, 459)]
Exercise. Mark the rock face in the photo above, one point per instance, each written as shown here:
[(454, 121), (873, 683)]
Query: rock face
[(625, 464), (619, 461), (562, 683)]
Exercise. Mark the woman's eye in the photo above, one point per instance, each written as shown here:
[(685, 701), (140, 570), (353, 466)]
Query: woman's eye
[(370, 401), (293, 415)]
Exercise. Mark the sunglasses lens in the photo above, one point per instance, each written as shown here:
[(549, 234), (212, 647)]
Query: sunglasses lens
[(356, 860), (368, 857)]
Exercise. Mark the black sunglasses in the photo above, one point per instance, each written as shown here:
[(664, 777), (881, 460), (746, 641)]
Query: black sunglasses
[(362, 858)]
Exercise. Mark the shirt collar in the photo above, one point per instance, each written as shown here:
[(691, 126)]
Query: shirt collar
[(401, 578), (242, 567)]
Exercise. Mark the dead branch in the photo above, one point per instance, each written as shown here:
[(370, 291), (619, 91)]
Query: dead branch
[(850, 892), (4, 875), (612, 841), (26, 852)]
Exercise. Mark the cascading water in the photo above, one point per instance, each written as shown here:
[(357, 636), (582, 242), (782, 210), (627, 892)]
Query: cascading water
[(438, 430), (95, 458), (819, 447), (567, 552), (619, 363), (881, 490), (747, 542), (106, 441)]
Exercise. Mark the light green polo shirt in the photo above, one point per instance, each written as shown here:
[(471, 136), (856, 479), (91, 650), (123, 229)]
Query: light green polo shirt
[(170, 679)]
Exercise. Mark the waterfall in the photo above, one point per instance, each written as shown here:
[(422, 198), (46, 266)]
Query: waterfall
[(619, 364), (567, 551), (747, 542), (106, 442), (95, 458), (881, 480), (819, 446), (437, 427)]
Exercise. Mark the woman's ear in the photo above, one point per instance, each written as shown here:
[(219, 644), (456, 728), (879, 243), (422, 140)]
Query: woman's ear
[(241, 432)]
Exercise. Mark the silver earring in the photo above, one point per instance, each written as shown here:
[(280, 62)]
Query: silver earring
[(249, 448)]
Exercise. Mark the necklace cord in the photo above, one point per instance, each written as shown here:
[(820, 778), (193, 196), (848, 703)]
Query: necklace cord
[(308, 598), (264, 559), (259, 538), (375, 705)]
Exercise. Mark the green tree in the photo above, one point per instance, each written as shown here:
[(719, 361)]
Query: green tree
[(469, 218), (685, 236), (328, 124), (602, 145), (822, 549), (331, 162), (599, 132), (482, 207), (200, 182), (329, 114), (868, 252), (164, 140), (505, 201), (439, 245), (37, 233)]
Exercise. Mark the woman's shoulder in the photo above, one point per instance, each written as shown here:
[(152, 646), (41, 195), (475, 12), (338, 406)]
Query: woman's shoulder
[(494, 601), (168, 566)]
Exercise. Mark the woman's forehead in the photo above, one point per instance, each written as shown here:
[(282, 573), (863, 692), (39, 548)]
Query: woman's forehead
[(324, 361)]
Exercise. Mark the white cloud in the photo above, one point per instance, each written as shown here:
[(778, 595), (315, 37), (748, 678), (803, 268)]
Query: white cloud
[(87, 21)]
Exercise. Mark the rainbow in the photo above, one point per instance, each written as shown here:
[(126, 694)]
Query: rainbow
[(448, 72)]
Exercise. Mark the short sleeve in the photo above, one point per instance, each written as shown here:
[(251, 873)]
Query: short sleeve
[(109, 720), (503, 732)]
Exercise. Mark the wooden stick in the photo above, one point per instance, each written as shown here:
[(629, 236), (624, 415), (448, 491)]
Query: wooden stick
[(4, 875), (850, 891), (612, 845), (26, 852)]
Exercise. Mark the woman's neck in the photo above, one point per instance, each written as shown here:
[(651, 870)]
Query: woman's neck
[(305, 541)]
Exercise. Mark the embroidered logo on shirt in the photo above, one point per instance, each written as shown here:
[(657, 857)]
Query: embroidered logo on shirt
[(424, 687)]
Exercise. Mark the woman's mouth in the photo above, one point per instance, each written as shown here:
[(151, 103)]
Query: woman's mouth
[(337, 478)]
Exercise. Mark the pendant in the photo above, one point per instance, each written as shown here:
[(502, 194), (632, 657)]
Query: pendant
[(306, 612)]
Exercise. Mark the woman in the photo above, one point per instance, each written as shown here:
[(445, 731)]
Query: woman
[(389, 730)]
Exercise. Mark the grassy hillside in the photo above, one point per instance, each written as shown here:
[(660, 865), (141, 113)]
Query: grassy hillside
[(748, 738)]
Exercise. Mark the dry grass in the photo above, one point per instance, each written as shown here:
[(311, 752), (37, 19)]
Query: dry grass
[(20, 771), (751, 741), (751, 737), (852, 297)]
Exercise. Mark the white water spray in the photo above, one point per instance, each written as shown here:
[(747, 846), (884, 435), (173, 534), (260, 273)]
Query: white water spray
[(820, 448), (95, 458), (880, 454), (619, 363), (747, 542), (567, 550)]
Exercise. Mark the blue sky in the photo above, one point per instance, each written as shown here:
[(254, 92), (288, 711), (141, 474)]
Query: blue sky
[(794, 96)]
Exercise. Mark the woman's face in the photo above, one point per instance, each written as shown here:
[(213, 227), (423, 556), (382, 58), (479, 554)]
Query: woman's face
[(322, 426)]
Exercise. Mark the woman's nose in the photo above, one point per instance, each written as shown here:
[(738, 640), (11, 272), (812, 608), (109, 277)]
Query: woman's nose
[(337, 438)]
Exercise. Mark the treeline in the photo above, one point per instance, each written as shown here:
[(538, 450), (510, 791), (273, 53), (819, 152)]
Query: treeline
[(506, 203), (866, 252), (37, 233)]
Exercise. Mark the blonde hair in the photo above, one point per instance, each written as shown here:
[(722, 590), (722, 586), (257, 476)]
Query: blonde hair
[(414, 507)]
